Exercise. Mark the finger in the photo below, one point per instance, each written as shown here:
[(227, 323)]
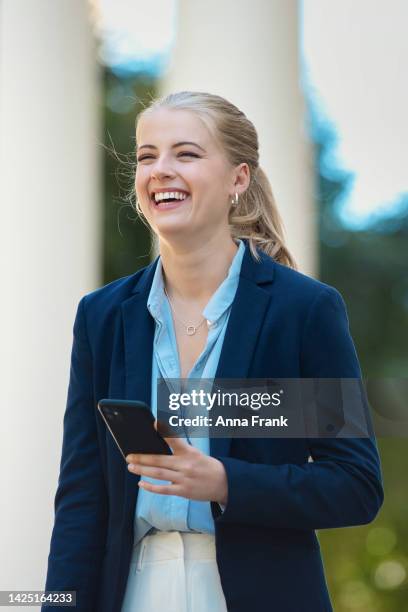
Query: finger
[(164, 461), (161, 489), (178, 445), (157, 473)]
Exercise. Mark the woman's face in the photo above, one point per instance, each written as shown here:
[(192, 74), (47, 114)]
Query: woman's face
[(198, 168)]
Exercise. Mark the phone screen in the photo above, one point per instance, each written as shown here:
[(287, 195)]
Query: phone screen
[(130, 423)]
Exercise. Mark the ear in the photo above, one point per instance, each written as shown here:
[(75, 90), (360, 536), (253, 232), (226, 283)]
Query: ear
[(242, 178)]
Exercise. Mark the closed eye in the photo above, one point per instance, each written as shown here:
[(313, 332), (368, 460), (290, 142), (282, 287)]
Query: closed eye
[(179, 155)]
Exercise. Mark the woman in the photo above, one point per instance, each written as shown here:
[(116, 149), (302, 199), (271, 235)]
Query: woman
[(221, 524)]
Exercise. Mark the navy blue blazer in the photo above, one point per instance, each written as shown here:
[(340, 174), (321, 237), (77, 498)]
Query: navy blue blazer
[(282, 324)]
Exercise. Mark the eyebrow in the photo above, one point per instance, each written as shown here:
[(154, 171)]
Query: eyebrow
[(178, 144)]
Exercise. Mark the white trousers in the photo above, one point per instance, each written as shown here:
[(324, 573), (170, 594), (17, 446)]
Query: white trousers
[(174, 572)]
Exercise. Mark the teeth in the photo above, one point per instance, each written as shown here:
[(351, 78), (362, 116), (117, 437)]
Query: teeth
[(169, 194)]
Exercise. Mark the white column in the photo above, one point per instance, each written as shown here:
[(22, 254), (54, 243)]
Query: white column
[(49, 254), (248, 52)]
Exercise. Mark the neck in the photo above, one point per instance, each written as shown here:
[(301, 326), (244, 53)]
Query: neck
[(193, 276)]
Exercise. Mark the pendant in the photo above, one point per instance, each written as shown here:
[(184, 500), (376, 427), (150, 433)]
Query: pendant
[(190, 330)]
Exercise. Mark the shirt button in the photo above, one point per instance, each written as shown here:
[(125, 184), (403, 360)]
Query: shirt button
[(211, 324)]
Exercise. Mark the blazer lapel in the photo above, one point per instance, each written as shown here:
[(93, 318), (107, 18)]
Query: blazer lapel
[(138, 328), (244, 326)]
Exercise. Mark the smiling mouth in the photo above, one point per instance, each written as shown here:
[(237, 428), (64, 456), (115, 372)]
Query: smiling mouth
[(168, 203)]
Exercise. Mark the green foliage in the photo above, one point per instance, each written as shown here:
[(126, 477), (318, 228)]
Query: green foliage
[(367, 566), (127, 245)]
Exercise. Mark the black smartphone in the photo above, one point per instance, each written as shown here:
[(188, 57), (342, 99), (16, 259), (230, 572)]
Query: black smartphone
[(131, 424)]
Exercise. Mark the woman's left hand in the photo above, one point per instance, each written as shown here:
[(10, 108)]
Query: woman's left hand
[(191, 473)]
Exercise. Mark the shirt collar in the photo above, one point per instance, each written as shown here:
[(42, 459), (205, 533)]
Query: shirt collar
[(219, 301), (223, 297)]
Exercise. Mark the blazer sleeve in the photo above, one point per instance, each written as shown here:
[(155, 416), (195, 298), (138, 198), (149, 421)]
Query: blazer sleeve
[(81, 504), (342, 486)]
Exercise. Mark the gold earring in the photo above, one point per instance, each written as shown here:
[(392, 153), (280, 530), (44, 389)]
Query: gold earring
[(235, 202)]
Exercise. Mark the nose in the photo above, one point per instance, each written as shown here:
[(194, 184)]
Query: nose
[(161, 169)]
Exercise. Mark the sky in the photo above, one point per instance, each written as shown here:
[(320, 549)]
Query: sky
[(356, 54), (139, 33), (354, 60)]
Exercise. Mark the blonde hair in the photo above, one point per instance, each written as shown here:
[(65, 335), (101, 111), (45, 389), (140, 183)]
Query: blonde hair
[(256, 217)]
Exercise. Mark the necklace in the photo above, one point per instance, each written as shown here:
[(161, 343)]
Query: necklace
[(190, 329)]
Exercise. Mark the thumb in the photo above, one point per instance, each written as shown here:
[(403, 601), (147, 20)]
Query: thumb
[(177, 445)]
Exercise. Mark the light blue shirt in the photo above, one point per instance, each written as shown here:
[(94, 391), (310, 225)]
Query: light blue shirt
[(170, 512)]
